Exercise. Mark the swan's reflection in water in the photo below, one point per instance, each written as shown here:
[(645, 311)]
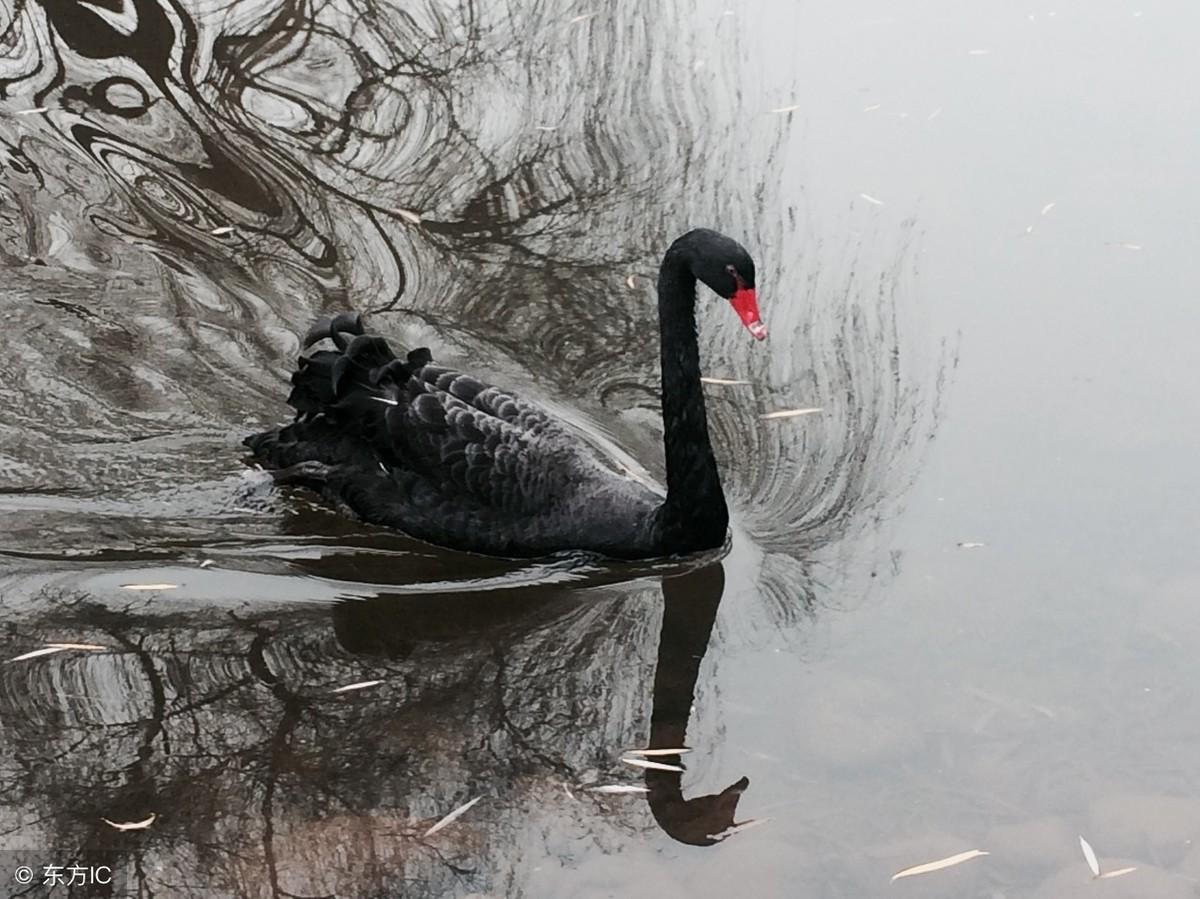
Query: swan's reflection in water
[(689, 610), (238, 744)]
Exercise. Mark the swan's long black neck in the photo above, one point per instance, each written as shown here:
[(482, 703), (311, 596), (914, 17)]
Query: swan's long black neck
[(694, 515)]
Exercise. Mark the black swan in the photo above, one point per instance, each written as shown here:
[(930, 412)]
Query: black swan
[(455, 462)]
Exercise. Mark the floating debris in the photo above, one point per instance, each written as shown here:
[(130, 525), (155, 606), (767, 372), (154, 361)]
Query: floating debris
[(452, 817), (149, 586), (207, 563), (44, 651), (582, 18), (1089, 855), (788, 413), (650, 752), (737, 828), (546, 127), (779, 109), (933, 115), (1120, 872), (872, 107), (970, 545), (872, 200), (1130, 246), (631, 282), (1046, 209), (409, 215), (653, 766), (34, 110), (930, 867), (361, 685), (219, 232), (51, 648), (618, 789), (132, 825), (726, 382)]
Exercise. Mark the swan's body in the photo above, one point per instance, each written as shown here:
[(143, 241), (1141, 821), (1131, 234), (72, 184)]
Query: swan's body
[(450, 460)]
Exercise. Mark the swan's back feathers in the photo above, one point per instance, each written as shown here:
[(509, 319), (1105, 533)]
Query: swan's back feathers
[(444, 456)]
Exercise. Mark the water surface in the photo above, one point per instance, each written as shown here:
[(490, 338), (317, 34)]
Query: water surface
[(956, 611)]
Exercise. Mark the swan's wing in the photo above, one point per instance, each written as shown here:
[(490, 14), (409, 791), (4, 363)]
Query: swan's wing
[(469, 450), (459, 435), (488, 399)]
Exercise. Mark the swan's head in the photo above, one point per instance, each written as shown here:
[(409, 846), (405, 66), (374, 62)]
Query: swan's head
[(724, 265)]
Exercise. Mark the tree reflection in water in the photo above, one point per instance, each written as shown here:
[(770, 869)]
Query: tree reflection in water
[(183, 187)]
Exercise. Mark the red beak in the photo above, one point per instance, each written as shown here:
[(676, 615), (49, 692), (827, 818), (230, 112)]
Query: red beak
[(745, 304)]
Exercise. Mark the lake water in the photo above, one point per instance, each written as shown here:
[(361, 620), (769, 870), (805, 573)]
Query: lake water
[(959, 609)]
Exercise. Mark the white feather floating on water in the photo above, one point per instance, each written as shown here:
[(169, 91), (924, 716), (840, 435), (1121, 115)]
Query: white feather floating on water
[(787, 413), (51, 648), (226, 229), (872, 200), (930, 867), (724, 382), (1046, 209), (360, 685), (33, 654), (971, 545), (1089, 855), (452, 817), (34, 110), (131, 825), (737, 828), (409, 215), (631, 282), (781, 109), (149, 586), (651, 752), (653, 766), (618, 789), (1120, 872)]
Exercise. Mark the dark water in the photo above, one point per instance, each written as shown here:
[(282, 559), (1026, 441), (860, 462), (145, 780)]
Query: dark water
[(972, 229)]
